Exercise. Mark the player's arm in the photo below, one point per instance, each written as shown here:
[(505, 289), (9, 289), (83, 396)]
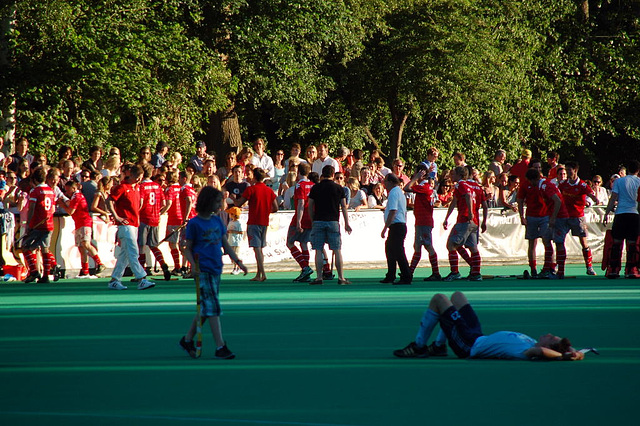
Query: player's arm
[(343, 204), (454, 202), (240, 201), (520, 202), (557, 203), (112, 209), (540, 352), (387, 223), (188, 254), (299, 213), (485, 212), (611, 206), (274, 205), (187, 211)]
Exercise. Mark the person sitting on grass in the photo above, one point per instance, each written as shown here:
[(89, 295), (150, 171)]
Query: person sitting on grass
[(461, 327), (206, 238)]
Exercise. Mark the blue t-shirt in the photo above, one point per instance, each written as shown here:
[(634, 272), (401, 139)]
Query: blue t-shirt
[(502, 345), (207, 235), (627, 190), (397, 201)]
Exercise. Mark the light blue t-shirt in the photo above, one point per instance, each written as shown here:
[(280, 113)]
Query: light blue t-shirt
[(502, 345), (207, 242), (627, 190), (397, 201)]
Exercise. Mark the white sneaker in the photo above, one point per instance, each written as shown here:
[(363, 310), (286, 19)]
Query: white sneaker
[(145, 284), (82, 277), (235, 272), (116, 285)]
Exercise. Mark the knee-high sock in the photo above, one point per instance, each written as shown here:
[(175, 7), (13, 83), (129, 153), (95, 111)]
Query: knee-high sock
[(297, 255), (453, 261), (548, 258), (588, 259), (465, 255), (142, 259), (46, 264), (175, 254), (441, 339), (305, 258), (561, 257), (428, 323), (476, 262), (30, 257), (158, 255), (417, 255), (433, 259), (532, 264), (96, 259), (52, 260), (84, 270)]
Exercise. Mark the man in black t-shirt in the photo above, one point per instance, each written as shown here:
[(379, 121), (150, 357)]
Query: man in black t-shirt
[(235, 184), (325, 200)]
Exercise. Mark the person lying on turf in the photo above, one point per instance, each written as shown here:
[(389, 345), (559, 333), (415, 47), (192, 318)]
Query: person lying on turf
[(461, 327)]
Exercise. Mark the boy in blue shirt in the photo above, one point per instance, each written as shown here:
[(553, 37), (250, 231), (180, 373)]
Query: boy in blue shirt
[(206, 236)]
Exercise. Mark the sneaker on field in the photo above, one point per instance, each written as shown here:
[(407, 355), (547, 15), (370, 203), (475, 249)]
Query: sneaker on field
[(235, 271), (434, 277), (166, 272), (591, 271), (435, 350), (116, 285), (145, 284), (100, 268), (56, 271), (305, 275), (474, 277), (188, 347), (556, 276), (412, 351), (32, 277), (224, 353), (45, 280), (453, 276), (83, 277), (176, 272), (543, 275)]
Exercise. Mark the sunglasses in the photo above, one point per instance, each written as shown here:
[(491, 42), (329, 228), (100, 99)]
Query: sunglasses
[(86, 176), (597, 181)]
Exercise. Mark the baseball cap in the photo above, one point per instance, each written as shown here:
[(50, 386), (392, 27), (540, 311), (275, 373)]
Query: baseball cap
[(526, 153), (200, 144)]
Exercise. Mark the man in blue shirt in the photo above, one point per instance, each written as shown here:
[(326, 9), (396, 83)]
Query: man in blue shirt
[(461, 327), (395, 220)]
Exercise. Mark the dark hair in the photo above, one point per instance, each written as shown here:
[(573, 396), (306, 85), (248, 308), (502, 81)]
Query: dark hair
[(39, 175), (161, 145), (633, 167), (209, 200), (358, 154), (532, 174), (71, 184), (259, 174), (572, 165), (512, 178), (313, 177), (135, 171), (534, 161), (94, 149), (304, 169), (328, 171), (147, 171), (393, 179), (462, 172), (553, 154)]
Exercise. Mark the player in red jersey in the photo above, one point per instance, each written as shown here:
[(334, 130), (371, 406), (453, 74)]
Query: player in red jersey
[(78, 209), (174, 218), (423, 213), (536, 222), (467, 197), (574, 194), (262, 202), (188, 196), (558, 217), (152, 205), (40, 227), (300, 227)]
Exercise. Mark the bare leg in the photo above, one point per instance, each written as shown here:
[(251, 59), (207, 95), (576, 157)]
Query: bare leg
[(338, 255), (319, 262), (439, 303), (216, 330), (459, 300), (260, 274)]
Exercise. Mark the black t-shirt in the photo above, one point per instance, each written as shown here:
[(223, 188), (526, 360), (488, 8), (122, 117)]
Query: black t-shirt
[(327, 196), (235, 189)]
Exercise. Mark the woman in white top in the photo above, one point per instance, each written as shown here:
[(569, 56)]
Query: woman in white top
[(287, 196), (278, 170), (378, 197), (111, 166), (358, 198), (600, 192)]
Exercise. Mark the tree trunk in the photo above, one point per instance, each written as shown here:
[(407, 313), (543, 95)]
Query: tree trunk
[(583, 10), (224, 133), (398, 118), (7, 122)]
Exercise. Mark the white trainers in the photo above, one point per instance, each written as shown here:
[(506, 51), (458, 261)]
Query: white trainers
[(86, 277), (116, 285), (235, 272), (145, 284)]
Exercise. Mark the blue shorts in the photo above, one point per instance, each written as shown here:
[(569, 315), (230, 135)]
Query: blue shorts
[(462, 328), (326, 232), (209, 286), (35, 239), (464, 234), (537, 227), (302, 237), (560, 230), (423, 237), (257, 235)]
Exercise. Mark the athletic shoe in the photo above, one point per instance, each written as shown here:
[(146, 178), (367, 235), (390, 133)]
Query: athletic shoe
[(57, 273), (187, 275), (632, 273), (305, 275), (145, 284), (166, 272), (474, 277), (235, 271), (433, 277), (188, 347), (224, 353), (176, 272), (412, 351), (83, 276), (543, 275), (100, 268), (590, 271), (612, 275), (328, 276), (44, 280), (386, 280), (435, 350), (402, 282), (116, 285), (556, 276), (32, 277), (453, 276)]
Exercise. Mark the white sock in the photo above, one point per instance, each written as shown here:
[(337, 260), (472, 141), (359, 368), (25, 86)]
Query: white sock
[(428, 323)]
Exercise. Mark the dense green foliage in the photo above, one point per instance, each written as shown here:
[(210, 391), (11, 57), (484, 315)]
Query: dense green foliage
[(468, 75)]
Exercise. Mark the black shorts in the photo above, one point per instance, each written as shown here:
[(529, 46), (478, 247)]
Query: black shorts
[(462, 328), (625, 226)]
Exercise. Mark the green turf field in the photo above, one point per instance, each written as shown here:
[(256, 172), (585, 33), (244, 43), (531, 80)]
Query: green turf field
[(76, 353)]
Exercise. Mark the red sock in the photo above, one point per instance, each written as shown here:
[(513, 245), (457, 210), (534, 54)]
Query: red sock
[(175, 254), (464, 254), (305, 258), (85, 268), (588, 260), (561, 257), (453, 261), (548, 258), (532, 264), (297, 255), (325, 266), (142, 259), (52, 260), (415, 260), (46, 264), (476, 262), (96, 259), (158, 255), (30, 257), (433, 259)]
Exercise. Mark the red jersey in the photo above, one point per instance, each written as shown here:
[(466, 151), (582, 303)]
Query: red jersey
[(174, 214), (548, 190), (301, 192), (520, 169), (536, 207), (81, 216), (187, 192), (423, 204), (152, 199), (127, 203), (553, 173), (574, 196), (260, 198), (476, 194), (44, 199)]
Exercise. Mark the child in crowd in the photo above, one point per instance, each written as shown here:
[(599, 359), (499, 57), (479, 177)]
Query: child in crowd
[(235, 231)]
